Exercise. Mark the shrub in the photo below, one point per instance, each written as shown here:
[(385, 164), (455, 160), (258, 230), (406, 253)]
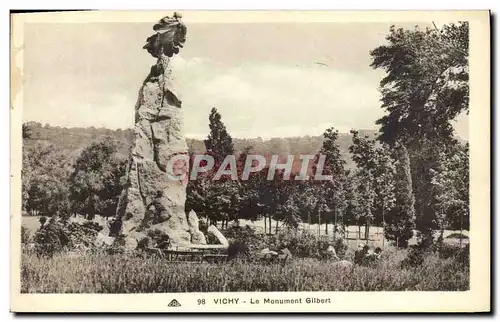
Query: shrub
[(144, 243), (115, 226), (463, 256), (203, 226), (301, 244), (25, 235), (415, 256), (455, 251), (84, 234), (211, 239), (322, 248), (118, 246), (50, 239), (60, 234), (159, 238), (247, 236), (42, 220), (238, 250), (341, 247)]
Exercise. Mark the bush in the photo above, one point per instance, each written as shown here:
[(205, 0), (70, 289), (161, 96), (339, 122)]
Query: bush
[(115, 226), (246, 236), (25, 235), (50, 239), (463, 256), (238, 250), (300, 244), (340, 247), (84, 234), (42, 220), (159, 239), (144, 243), (203, 226), (460, 253), (415, 256), (322, 247), (118, 246), (59, 234)]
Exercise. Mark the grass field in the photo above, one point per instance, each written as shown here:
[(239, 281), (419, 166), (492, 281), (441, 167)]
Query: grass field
[(129, 274)]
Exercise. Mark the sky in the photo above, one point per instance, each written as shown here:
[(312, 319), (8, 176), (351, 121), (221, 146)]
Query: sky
[(266, 79)]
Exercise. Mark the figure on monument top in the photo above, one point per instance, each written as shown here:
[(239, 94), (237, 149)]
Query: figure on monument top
[(170, 35)]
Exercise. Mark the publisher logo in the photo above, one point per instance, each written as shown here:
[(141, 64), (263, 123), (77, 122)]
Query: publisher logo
[(174, 303)]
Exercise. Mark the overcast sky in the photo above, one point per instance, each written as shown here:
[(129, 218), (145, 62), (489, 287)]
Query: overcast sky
[(263, 78)]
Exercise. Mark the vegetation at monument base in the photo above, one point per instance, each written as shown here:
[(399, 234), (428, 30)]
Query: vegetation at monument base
[(412, 179), (132, 274)]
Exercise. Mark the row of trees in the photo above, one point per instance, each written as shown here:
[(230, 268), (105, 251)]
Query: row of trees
[(378, 192)]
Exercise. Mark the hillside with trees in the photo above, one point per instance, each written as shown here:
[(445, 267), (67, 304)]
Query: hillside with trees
[(73, 140)]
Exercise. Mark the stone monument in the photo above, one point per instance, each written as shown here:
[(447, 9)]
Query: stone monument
[(153, 198)]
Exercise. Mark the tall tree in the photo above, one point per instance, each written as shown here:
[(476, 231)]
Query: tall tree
[(385, 172), (218, 143), (401, 220), (450, 189), (364, 154), (426, 87), (330, 193), (353, 209), (218, 199)]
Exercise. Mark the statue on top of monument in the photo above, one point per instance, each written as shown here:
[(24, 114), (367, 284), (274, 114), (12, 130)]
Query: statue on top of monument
[(170, 36)]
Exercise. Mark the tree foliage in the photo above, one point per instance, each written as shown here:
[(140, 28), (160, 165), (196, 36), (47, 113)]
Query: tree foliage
[(426, 85), (44, 180), (218, 143), (401, 219), (95, 183)]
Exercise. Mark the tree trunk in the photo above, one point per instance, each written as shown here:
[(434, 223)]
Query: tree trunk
[(335, 225), (461, 228), (270, 225), (319, 223), (383, 229), (442, 234), (359, 231), (326, 228), (276, 230), (367, 231), (265, 225)]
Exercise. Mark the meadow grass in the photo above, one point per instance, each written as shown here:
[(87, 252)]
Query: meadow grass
[(99, 273)]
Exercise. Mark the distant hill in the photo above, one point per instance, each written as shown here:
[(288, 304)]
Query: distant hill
[(73, 140)]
